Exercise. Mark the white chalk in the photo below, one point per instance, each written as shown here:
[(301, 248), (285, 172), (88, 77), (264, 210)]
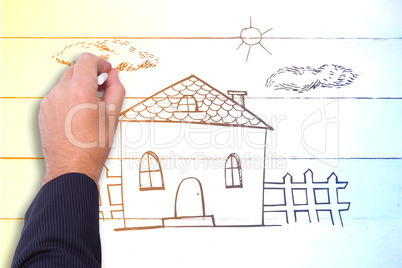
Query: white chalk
[(102, 78)]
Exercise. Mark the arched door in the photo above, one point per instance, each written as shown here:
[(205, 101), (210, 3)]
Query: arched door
[(189, 199)]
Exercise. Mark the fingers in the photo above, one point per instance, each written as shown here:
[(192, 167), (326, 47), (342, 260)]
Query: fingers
[(89, 64), (114, 93), (85, 73), (68, 74), (87, 68)]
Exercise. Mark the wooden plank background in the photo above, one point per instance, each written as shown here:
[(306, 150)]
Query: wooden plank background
[(201, 38)]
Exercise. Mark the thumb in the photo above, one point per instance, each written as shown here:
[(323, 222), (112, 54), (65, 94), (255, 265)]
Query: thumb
[(114, 93)]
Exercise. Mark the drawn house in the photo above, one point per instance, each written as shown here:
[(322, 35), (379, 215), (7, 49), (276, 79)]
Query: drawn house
[(189, 155)]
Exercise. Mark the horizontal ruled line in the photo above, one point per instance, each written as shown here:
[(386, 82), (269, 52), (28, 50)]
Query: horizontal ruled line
[(119, 37), (216, 158), (20, 158), (328, 98), (268, 98), (22, 97), (28, 97), (118, 219), (204, 37), (341, 158), (19, 219)]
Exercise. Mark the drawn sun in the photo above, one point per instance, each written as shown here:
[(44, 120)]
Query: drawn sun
[(252, 36)]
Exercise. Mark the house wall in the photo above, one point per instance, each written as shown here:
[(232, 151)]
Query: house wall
[(110, 197), (200, 151)]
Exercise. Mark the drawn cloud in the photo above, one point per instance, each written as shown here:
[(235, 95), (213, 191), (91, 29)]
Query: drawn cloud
[(302, 79), (120, 54)]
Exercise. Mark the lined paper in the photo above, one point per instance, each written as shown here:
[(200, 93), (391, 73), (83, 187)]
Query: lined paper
[(203, 39)]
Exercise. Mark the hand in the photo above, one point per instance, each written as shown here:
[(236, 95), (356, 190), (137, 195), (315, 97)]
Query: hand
[(76, 127)]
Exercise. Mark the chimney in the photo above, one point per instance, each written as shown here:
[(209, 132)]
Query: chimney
[(238, 96)]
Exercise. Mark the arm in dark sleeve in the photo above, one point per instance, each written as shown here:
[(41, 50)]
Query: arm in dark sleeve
[(61, 226)]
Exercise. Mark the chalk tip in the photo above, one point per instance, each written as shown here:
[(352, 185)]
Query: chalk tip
[(102, 78)]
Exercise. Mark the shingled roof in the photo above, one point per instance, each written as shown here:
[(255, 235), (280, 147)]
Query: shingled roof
[(192, 100)]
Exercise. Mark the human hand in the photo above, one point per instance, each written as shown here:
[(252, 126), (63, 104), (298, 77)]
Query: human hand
[(76, 127)]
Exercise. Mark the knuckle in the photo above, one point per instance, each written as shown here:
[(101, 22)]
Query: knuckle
[(87, 56), (83, 83)]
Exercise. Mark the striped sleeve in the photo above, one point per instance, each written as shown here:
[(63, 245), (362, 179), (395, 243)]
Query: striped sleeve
[(61, 227)]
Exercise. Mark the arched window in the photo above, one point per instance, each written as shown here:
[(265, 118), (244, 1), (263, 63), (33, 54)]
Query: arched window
[(151, 176), (233, 174), (187, 104)]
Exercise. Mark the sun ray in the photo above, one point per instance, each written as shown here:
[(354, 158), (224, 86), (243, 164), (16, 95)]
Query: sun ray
[(248, 53), (240, 45), (265, 49), (266, 31)]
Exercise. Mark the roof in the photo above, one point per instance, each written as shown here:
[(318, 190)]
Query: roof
[(212, 107)]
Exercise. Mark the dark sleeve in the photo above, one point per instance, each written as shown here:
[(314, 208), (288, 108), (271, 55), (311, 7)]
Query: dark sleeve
[(61, 227)]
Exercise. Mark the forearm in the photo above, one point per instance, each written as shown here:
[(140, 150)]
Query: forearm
[(77, 129), (62, 225)]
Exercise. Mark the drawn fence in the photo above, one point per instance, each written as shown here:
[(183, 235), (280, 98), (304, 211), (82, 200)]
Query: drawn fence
[(313, 201)]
